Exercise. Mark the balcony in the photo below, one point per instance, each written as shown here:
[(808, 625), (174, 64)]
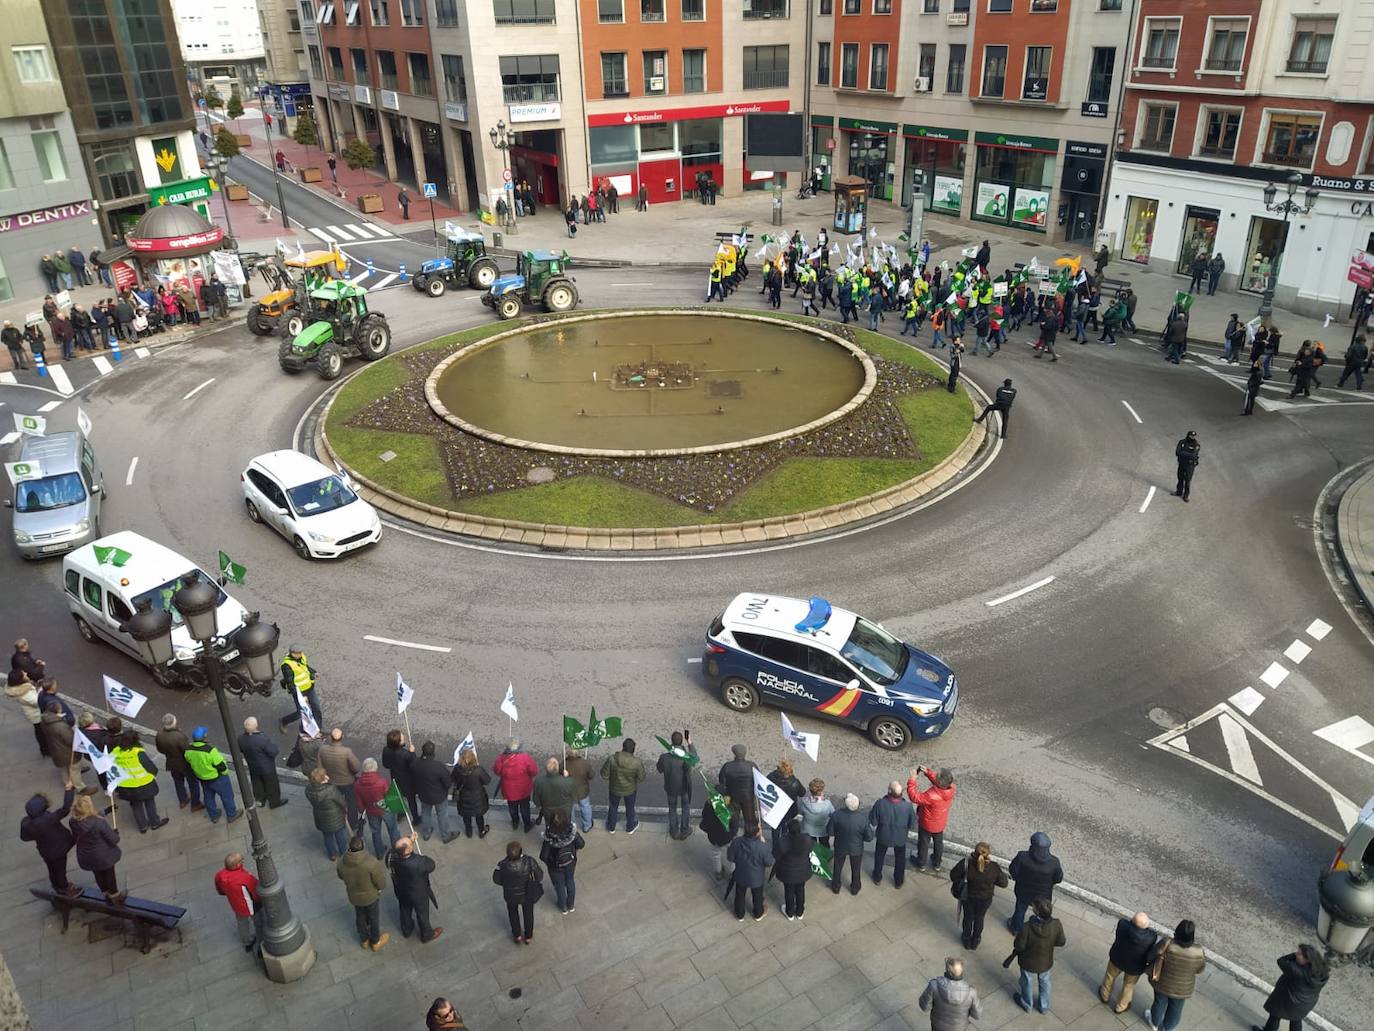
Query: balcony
[(530, 93), (1288, 160), (776, 79), (388, 81), (1222, 64), (1307, 67), (766, 9), (1164, 63), (1217, 152), (1156, 143)]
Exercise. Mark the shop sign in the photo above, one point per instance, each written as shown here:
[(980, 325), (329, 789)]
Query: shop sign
[(1035, 89), (295, 89), (389, 99), (1014, 142), (1093, 109), (125, 276), (1361, 277), (167, 158), (930, 132), (41, 216), (1362, 207), (957, 18), (1363, 259), (175, 244), (823, 121), (338, 91), (867, 125), (362, 94), (181, 193), (456, 111), (549, 112), (1079, 149), (678, 114), (1338, 183)]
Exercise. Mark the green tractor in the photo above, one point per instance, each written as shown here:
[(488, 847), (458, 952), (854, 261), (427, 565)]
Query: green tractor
[(343, 327), (539, 278), (465, 263)]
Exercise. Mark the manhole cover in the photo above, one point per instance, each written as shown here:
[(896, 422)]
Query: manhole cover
[(540, 474), (723, 388)]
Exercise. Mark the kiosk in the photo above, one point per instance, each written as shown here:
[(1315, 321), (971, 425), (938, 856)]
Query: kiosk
[(851, 203)]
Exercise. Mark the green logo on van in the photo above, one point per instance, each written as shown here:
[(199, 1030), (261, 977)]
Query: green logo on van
[(111, 556)]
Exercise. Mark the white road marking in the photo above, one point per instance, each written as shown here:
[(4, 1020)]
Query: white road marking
[(198, 389), (406, 644), (1318, 629), (1148, 498), (1247, 701), (1181, 743), (344, 233), (1350, 734), (1274, 675), (632, 284), (60, 379), (9, 438), (384, 281), (1016, 594), (696, 659), (360, 276), (8, 378), (1238, 749), (142, 352), (129, 476), (44, 409), (377, 231), (102, 364), (321, 234), (1134, 416), (1297, 651)]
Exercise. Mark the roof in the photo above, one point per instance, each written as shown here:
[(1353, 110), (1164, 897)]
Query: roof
[(149, 564), (167, 221), (312, 259), (337, 289), (51, 447), (460, 234), (292, 468), (546, 255), (780, 615)]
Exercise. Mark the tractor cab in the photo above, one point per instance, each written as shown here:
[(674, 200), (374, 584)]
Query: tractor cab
[(342, 326), (464, 263), (289, 282)]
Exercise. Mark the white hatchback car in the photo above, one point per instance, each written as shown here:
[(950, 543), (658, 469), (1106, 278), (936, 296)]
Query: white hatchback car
[(309, 504)]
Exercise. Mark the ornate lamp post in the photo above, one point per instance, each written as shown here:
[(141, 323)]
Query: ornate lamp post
[(287, 951), (1288, 206), (502, 139), (217, 166)]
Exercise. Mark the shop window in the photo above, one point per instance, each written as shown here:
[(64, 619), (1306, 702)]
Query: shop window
[(610, 11), (877, 67), (1292, 139), (6, 173), (1100, 75), (386, 68), (6, 287), (1199, 236), (336, 65), (651, 10), (694, 71), (48, 146), (1012, 187), (381, 13), (1161, 43), (1263, 253), (999, 6), (1311, 47), (765, 8), (657, 138), (942, 163), (523, 12), (1219, 132), (869, 160), (655, 71), (421, 81), (822, 64), (614, 82), (994, 71), (1226, 49), (613, 144), (529, 79), (1035, 84), (698, 140), (693, 10), (455, 79), (765, 67), (1141, 214), (954, 71), (1157, 126), (925, 62), (32, 64), (316, 65), (849, 65)]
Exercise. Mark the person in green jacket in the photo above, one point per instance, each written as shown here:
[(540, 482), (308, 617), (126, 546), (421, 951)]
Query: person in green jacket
[(623, 772), (212, 771), (64, 268), (554, 791), (364, 878)]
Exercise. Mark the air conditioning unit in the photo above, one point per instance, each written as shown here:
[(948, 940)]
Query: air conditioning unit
[(656, 84), (922, 84)]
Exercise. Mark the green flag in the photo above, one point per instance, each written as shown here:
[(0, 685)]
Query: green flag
[(111, 556), (717, 800), (1183, 300), (820, 860), (577, 736), (230, 570), (392, 800), (681, 753), (609, 727)]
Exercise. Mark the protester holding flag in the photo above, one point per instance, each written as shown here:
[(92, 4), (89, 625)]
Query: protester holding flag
[(137, 784), (893, 819), (470, 782), (752, 857), (716, 825), (676, 766), (172, 742), (553, 791), (212, 771), (850, 829), (97, 849), (815, 809), (306, 753), (44, 827), (974, 881), (623, 772), (785, 779), (240, 888), (521, 883), (327, 807), (559, 853), (432, 782), (517, 771), (57, 732), (793, 869), (297, 675), (260, 756), (370, 789), (397, 758), (410, 880), (580, 772)]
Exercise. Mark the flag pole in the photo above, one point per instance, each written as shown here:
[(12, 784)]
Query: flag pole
[(409, 736)]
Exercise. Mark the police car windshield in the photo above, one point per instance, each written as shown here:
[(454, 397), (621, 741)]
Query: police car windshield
[(48, 493), (321, 496), (160, 598), (879, 655)]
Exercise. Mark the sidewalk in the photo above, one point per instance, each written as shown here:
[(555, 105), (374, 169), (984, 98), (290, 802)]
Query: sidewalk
[(1355, 534), (651, 945)]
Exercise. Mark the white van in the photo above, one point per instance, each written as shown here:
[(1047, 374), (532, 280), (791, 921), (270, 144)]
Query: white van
[(102, 596)]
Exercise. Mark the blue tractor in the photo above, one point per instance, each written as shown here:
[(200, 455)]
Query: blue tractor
[(539, 278), (465, 263)]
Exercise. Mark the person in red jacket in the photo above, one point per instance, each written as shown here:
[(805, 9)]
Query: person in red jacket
[(241, 889), (934, 805), (517, 771), (369, 790)]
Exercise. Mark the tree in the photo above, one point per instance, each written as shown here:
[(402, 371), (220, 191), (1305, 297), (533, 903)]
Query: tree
[(358, 155), (212, 98), (225, 144), (235, 108), (306, 134)]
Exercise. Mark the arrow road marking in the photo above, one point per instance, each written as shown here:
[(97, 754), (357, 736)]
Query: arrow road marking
[(1350, 734)]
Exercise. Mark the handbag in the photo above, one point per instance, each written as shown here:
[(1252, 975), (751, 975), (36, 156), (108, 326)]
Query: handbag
[(1157, 967)]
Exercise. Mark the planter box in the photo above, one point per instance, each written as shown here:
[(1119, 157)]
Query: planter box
[(310, 175), (236, 191), (370, 203), (243, 140)]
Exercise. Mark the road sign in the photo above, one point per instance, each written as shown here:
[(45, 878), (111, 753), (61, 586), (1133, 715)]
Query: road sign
[(506, 175), (429, 190)]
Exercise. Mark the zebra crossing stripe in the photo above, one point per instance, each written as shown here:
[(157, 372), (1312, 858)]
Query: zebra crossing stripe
[(377, 231), (321, 234), (142, 352), (383, 282), (102, 364), (60, 379), (9, 438), (1319, 629), (344, 233), (8, 378), (45, 409), (359, 277)]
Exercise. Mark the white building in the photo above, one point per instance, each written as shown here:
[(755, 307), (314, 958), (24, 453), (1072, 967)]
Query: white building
[(221, 43)]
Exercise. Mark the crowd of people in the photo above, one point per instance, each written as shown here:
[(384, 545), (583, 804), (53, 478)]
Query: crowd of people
[(64, 270)]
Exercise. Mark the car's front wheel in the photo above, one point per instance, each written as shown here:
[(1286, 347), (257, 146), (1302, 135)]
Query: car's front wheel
[(889, 732), (302, 549), (87, 634), (738, 694)]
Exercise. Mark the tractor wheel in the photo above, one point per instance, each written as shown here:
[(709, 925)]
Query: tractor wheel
[(560, 296), (256, 326), (482, 274), (286, 357), (435, 287), (374, 336), (419, 283), (508, 307), (291, 325), (329, 362)]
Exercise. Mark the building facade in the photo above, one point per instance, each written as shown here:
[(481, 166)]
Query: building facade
[(1227, 97), (221, 44), (283, 45), (45, 197)]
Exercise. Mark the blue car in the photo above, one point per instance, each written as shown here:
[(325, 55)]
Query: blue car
[(815, 658)]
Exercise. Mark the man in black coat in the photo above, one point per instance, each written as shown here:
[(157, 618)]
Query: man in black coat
[(1036, 871), (736, 779), (1128, 958), (1252, 386), (1356, 357), (398, 757), (44, 827), (1189, 454), (260, 754), (677, 783), (25, 660), (432, 780), (849, 829), (410, 879), (1299, 986), (1001, 404), (718, 834)]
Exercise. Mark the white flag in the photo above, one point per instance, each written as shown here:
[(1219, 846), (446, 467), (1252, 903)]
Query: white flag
[(403, 695), (81, 743), (115, 774), (308, 725), (508, 703), (123, 700), (30, 425), (465, 745), (801, 741), (102, 762), (773, 801), (83, 422)]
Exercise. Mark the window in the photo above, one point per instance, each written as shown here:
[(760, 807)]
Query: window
[(925, 62), (1157, 126), (774, 649), (316, 64), (1044, 6), (610, 11), (657, 138), (381, 13), (931, 7), (765, 8), (32, 63), (1227, 48), (851, 6), (614, 82), (1292, 139), (413, 12), (961, 6), (822, 64), (882, 6), (1100, 75), (849, 65), (1311, 44), (325, 16), (90, 590), (1219, 133), (72, 579), (823, 664), (954, 73), (446, 13), (651, 10), (48, 146), (999, 6), (693, 10), (827, 8), (336, 65), (765, 67), (386, 69), (694, 71), (308, 12), (1109, 5), (6, 173), (877, 67), (523, 12), (529, 79), (455, 79), (118, 609), (994, 71), (655, 71), (360, 67), (1035, 84), (421, 80), (1161, 43)]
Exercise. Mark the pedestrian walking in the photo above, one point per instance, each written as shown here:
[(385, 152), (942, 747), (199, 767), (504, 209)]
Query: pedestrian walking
[(25, 692), (14, 343), (370, 788), (212, 771), (956, 354), (138, 786), (364, 879), (517, 771), (793, 869), (298, 676), (97, 849), (1036, 871), (403, 199), (1176, 337), (751, 858), (983, 257), (327, 807), (1001, 404), (340, 762), (642, 203), (1049, 329), (559, 853), (677, 783), (1034, 951), (552, 791), (1215, 267), (470, 782), (1252, 387), (432, 783), (893, 819), (1304, 975), (398, 758), (933, 815), (42, 824), (974, 881), (333, 164), (260, 754), (849, 829), (280, 158), (1356, 359), (1130, 956), (522, 885), (1234, 338), (623, 772), (1189, 453), (1100, 260), (240, 888), (815, 811), (1174, 969), (613, 195), (875, 309), (410, 880), (952, 1002), (570, 217)]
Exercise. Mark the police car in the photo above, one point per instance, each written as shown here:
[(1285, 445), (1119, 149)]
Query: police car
[(813, 657)]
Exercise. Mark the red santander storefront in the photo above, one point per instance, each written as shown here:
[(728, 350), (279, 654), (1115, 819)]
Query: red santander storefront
[(665, 148)]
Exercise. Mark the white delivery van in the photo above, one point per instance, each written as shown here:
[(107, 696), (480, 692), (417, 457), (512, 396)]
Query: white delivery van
[(102, 596)]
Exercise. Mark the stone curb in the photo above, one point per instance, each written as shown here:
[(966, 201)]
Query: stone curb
[(1350, 549)]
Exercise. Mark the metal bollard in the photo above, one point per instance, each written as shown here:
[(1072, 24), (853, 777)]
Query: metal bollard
[(403, 272), (40, 364), (369, 266), (115, 353)]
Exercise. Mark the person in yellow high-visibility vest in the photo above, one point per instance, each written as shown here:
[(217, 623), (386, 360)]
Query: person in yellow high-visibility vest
[(297, 675), (138, 783)]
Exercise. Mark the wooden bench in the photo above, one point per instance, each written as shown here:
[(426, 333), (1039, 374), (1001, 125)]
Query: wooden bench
[(148, 917)]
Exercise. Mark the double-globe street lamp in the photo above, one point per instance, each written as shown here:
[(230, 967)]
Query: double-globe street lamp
[(287, 951), (503, 139), (1288, 206), (217, 165)]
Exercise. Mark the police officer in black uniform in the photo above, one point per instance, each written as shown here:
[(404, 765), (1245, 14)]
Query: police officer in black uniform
[(1188, 453), (1252, 386), (1001, 404)]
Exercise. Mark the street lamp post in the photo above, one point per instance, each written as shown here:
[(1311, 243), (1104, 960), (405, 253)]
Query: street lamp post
[(1288, 206), (502, 139), (218, 165), (287, 951), (272, 160)]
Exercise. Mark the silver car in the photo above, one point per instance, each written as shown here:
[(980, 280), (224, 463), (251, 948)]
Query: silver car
[(58, 510)]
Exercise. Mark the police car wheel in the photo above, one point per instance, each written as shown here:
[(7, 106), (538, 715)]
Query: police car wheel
[(87, 634), (738, 694), (889, 733)]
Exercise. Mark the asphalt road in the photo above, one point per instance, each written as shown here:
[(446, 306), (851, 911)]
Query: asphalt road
[(1154, 618)]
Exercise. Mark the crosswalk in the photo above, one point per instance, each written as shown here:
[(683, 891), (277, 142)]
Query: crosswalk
[(1275, 393), (353, 232), (67, 378)]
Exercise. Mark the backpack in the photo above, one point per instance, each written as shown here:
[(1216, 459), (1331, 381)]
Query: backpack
[(566, 855)]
